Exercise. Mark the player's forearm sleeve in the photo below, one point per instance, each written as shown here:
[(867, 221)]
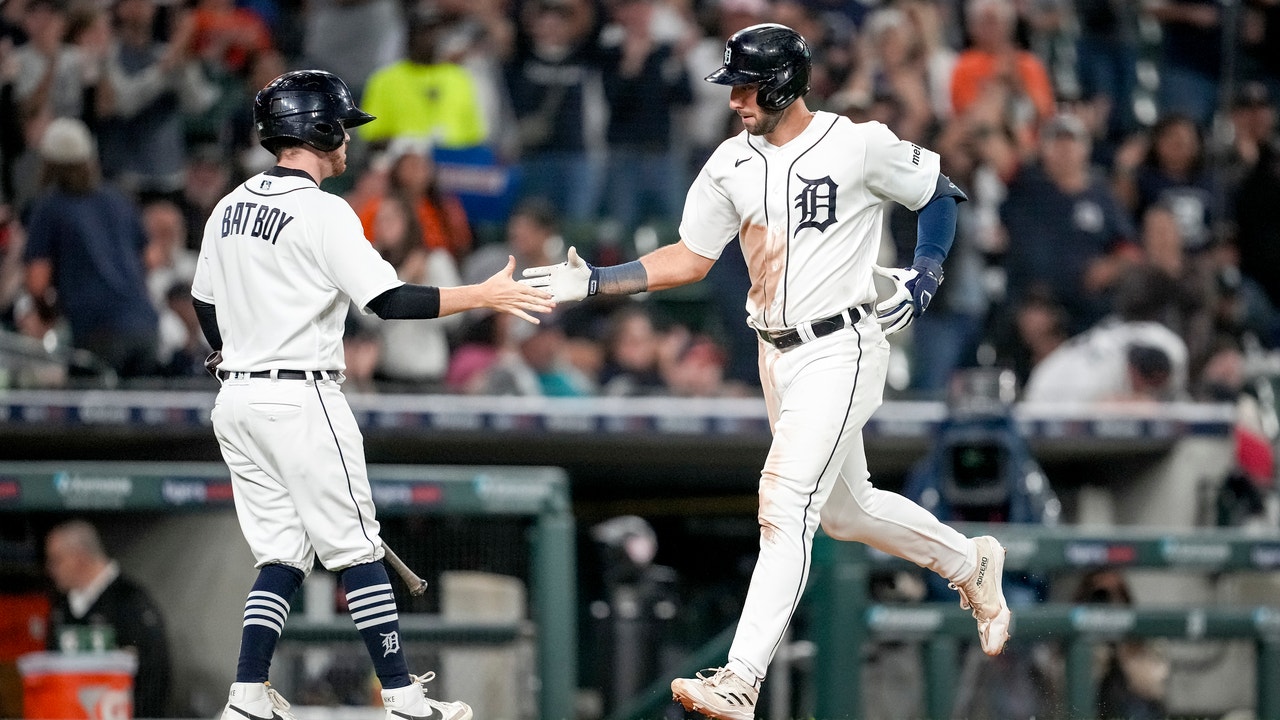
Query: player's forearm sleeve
[(407, 302), (936, 225), (625, 279), (207, 314)]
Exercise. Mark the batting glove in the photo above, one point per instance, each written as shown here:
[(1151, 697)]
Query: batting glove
[(573, 279), (913, 289)]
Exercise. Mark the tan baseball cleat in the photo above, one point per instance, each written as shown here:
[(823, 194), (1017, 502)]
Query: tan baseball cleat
[(982, 593), (721, 694)]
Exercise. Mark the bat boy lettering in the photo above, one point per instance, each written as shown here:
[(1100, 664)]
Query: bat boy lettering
[(255, 220)]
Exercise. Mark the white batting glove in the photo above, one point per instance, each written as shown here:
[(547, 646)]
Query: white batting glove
[(913, 290), (566, 281), (896, 312)]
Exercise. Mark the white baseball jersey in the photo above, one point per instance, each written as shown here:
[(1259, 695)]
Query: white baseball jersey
[(280, 258), (809, 213)]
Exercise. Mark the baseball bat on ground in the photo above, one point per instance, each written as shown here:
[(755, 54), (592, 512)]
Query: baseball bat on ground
[(417, 585)]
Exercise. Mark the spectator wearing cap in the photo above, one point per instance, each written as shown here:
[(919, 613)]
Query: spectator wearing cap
[(1068, 235), (424, 96), (84, 254)]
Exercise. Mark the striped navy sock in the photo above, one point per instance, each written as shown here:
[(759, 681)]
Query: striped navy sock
[(373, 608), (265, 611)]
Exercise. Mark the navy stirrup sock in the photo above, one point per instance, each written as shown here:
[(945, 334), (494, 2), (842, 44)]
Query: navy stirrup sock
[(265, 611), (373, 608)]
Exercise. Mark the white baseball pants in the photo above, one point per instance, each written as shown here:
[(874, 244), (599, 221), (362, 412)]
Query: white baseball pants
[(819, 396), (298, 472)]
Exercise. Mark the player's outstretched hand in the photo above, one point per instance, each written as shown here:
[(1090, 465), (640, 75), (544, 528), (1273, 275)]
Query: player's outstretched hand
[(505, 294), (566, 281), (913, 289)]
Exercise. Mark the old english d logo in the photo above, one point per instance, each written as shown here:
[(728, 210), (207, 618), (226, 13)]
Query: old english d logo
[(816, 203)]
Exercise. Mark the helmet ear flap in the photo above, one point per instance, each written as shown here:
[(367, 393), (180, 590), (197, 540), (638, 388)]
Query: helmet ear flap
[(773, 95)]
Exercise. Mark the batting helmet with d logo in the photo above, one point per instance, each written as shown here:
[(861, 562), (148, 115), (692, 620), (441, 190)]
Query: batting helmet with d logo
[(773, 56), (310, 106)]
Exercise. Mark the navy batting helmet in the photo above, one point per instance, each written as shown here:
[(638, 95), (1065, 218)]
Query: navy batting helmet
[(311, 106), (773, 56)]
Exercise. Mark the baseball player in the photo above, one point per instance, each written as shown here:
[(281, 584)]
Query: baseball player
[(804, 192), (279, 263)]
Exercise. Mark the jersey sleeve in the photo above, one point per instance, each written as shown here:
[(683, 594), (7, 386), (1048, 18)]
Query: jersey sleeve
[(898, 170), (349, 260), (710, 219)]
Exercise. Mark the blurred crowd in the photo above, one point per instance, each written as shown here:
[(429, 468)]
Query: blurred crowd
[(1121, 240)]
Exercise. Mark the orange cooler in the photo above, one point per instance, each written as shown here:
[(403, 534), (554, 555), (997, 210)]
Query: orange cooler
[(80, 686)]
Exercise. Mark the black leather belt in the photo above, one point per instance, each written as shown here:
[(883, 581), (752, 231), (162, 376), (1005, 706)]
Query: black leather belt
[(280, 374), (787, 339)]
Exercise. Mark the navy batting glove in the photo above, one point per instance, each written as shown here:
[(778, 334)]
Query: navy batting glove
[(925, 284)]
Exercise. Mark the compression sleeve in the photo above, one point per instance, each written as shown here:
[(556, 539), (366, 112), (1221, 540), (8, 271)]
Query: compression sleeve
[(936, 224), (407, 302), (207, 314), (625, 279)]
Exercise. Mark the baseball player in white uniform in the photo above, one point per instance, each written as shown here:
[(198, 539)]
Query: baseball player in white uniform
[(804, 192), (279, 264)]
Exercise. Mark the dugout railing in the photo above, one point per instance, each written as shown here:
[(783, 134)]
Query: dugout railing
[(540, 494), (844, 622)]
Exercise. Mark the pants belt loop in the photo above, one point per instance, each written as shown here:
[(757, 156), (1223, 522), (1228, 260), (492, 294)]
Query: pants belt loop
[(848, 318), (275, 374), (806, 331)]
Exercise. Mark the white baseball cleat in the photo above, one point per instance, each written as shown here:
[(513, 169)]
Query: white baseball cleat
[(982, 593), (256, 701), (411, 703), (721, 694)]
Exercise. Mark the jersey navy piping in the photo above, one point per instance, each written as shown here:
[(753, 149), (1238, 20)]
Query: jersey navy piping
[(343, 460), (286, 192), (787, 269), (804, 517), (282, 172), (764, 290)]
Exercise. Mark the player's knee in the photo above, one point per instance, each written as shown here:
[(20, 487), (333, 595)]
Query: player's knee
[(844, 527)]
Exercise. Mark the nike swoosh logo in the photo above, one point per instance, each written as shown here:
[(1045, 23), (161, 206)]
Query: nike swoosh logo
[(739, 162), (435, 714), (251, 716)]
